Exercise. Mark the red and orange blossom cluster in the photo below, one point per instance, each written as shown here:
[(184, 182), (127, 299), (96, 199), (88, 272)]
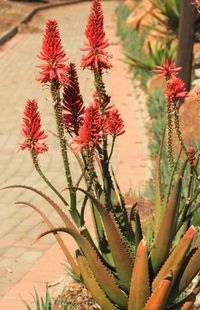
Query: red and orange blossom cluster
[(175, 92), (85, 125), (31, 129), (175, 87), (97, 58), (53, 55)]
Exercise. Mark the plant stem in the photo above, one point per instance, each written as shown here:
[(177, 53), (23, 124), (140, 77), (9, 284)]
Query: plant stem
[(100, 88), (38, 169), (170, 136), (55, 92), (112, 148), (178, 130)]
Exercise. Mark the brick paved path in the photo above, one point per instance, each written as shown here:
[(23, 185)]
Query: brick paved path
[(20, 225)]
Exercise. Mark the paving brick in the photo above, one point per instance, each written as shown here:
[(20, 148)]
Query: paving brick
[(6, 262), (30, 256), (14, 252), (6, 226), (3, 290), (2, 272), (6, 210), (3, 249), (11, 278)]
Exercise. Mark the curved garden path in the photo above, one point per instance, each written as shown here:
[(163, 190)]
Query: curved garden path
[(24, 265)]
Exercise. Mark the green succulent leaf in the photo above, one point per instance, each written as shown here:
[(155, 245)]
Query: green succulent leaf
[(65, 250), (164, 237), (136, 225), (121, 215), (139, 289), (171, 178), (158, 191), (101, 238), (158, 298), (64, 217), (93, 286), (188, 301), (176, 259), (101, 273), (188, 272), (119, 251)]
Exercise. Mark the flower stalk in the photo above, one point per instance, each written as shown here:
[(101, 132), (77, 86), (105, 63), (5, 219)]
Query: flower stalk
[(175, 92), (112, 148), (55, 92), (170, 136), (100, 89), (33, 134), (178, 130), (54, 73), (46, 180)]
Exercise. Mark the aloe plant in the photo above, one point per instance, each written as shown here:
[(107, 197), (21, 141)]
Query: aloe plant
[(140, 53), (168, 14), (127, 266), (154, 55)]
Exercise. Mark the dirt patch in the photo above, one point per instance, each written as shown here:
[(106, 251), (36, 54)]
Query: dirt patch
[(76, 293)]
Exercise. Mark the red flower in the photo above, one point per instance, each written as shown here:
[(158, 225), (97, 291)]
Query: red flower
[(168, 70), (191, 152), (31, 129), (175, 90), (97, 58), (53, 54), (197, 3), (89, 134), (72, 102), (56, 307), (114, 125)]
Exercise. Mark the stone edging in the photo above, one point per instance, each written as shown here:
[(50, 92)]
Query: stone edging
[(13, 31)]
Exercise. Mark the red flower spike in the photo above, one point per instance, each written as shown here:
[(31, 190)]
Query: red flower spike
[(73, 108), (168, 69), (89, 134), (175, 90), (191, 152), (31, 129), (97, 58), (114, 125), (53, 54)]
